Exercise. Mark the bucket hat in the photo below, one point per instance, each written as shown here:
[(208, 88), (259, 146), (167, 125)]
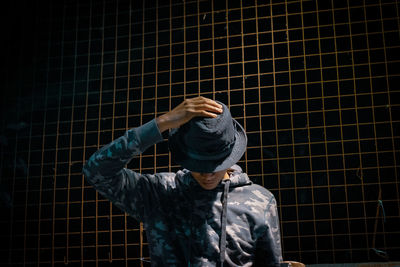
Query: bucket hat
[(208, 144)]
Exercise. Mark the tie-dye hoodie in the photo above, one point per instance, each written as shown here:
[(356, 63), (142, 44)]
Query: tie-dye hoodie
[(185, 224)]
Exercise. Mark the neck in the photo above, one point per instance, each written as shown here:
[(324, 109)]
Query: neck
[(226, 176)]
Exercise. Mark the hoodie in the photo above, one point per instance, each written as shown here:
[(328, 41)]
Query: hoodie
[(235, 224)]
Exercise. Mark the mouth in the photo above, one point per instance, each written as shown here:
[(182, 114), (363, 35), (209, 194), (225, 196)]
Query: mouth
[(209, 185)]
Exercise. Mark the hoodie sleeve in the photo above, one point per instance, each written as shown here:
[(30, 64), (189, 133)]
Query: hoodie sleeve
[(127, 189), (269, 252)]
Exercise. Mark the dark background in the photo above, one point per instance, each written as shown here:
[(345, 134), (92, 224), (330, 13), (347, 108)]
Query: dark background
[(314, 83)]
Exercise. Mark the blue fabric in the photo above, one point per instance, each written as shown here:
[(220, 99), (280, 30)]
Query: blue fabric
[(224, 220), (183, 221)]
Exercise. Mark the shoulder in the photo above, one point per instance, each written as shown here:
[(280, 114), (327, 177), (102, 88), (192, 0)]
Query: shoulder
[(259, 192), (253, 197), (169, 180)]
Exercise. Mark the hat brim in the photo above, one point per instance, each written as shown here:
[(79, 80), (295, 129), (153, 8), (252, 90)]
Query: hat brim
[(208, 166)]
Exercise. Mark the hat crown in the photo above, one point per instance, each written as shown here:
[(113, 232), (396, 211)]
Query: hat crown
[(208, 144), (209, 138)]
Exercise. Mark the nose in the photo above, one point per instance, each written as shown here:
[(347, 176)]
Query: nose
[(207, 174)]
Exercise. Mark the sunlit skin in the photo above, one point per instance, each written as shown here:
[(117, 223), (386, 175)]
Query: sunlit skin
[(211, 180)]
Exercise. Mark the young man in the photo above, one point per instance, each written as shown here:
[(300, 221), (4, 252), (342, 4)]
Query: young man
[(207, 214)]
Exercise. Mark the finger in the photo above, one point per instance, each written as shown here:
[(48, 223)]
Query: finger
[(196, 112), (201, 100), (208, 107), (213, 103), (208, 114)]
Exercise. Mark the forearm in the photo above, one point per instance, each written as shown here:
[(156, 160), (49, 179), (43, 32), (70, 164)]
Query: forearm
[(163, 123), (111, 159), (105, 170)]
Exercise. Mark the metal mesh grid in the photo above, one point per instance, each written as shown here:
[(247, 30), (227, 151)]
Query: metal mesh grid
[(314, 84)]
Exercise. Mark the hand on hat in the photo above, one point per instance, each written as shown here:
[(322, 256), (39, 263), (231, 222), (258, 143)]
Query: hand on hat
[(188, 109)]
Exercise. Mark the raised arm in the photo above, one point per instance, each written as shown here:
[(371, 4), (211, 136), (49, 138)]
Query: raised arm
[(106, 171)]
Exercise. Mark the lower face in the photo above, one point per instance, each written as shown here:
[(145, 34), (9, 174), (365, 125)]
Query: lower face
[(211, 180)]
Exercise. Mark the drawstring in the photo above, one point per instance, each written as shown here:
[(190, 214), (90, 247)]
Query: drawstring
[(222, 245)]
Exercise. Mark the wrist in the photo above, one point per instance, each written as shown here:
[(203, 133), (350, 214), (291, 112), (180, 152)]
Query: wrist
[(162, 123)]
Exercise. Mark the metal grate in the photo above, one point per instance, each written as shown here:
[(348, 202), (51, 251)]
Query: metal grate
[(314, 83)]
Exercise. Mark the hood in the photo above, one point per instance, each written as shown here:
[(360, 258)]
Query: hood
[(237, 178)]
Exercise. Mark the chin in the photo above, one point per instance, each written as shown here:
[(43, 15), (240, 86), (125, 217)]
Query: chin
[(209, 187)]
